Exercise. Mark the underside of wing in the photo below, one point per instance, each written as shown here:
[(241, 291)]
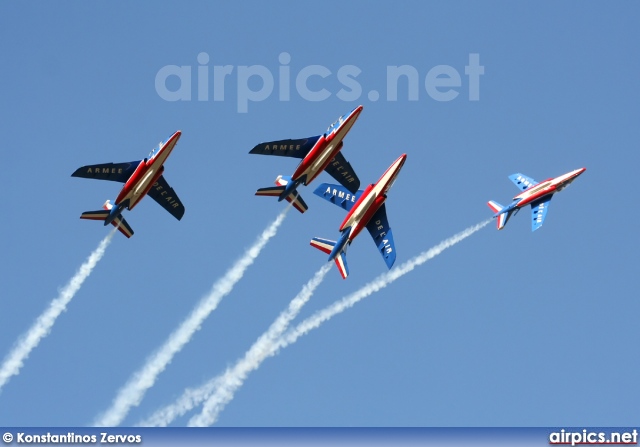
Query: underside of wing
[(167, 198), (380, 231), (521, 181), (115, 172), (340, 169), (286, 148), (338, 195), (539, 212)]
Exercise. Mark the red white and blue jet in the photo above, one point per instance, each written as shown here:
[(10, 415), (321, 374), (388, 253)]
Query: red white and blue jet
[(140, 178), (366, 209), (318, 153), (536, 194)]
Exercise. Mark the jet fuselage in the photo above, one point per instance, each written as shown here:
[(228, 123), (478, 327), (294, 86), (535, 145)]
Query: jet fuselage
[(546, 187), (371, 200), (327, 146), (146, 174)]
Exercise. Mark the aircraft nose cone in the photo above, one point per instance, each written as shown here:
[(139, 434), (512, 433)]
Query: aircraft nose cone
[(176, 136), (355, 112), (401, 159)]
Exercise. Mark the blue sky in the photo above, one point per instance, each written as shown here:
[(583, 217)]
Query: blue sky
[(509, 328)]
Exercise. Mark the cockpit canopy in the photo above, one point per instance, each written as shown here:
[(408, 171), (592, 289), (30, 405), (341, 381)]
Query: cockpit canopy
[(335, 125), (155, 150)]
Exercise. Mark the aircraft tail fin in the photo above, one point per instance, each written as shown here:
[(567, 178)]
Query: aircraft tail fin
[(119, 222), (326, 246)]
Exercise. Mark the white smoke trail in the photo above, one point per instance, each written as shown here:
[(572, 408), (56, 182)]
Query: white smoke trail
[(235, 377), (227, 383), (213, 406), (132, 393), (193, 397), (42, 326), (380, 282)]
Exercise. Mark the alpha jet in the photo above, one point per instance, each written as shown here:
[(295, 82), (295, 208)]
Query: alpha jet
[(366, 209), (318, 153), (536, 194), (140, 178)]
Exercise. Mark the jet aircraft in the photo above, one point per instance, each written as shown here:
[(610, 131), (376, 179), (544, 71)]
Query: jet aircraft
[(366, 209), (536, 194), (318, 153), (140, 178)]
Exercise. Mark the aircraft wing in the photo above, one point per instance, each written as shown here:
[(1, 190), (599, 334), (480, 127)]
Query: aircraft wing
[(286, 148), (116, 172), (167, 198), (338, 195), (539, 212), (340, 169), (379, 229), (522, 181)]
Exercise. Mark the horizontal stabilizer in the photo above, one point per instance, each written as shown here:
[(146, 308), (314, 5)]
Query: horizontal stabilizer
[(327, 246), (273, 191), (341, 263), (119, 221), (95, 215), (338, 195), (495, 206), (502, 218), (122, 225), (294, 198), (324, 245)]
